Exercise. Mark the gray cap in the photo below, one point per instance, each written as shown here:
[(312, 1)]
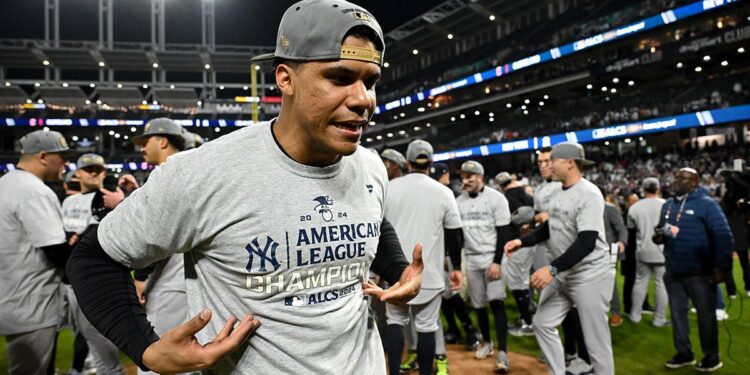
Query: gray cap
[(503, 178), (43, 141), (160, 126), (69, 176), (472, 167), (312, 30), (419, 151), (88, 160), (437, 170), (650, 182), (189, 139), (394, 156), (524, 215), (570, 151)]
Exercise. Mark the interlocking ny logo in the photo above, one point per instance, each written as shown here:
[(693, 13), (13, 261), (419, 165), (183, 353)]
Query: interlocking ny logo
[(253, 249)]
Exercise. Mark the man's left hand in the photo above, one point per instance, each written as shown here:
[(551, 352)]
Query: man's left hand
[(407, 286), (456, 279), (541, 278)]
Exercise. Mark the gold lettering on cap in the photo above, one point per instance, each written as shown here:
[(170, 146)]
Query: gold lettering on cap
[(284, 41), (361, 16), (361, 54), (148, 126), (62, 142)]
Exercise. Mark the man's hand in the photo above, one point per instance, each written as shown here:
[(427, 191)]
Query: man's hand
[(179, 351), (112, 199), (720, 276), (620, 246), (541, 218), (128, 182), (512, 246), (73, 240), (541, 278), (456, 279), (407, 286), (140, 286), (495, 272)]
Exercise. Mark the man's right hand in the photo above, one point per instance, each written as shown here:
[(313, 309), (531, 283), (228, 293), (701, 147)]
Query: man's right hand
[(541, 218), (512, 246), (140, 286), (178, 350)]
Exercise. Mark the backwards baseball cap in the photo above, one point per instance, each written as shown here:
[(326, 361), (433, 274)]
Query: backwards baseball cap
[(650, 183), (570, 151), (503, 178), (89, 160), (419, 152), (313, 30), (524, 215), (437, 170), (161, 126), (189, 139), (472, 167), (394, 156), (43, 141)]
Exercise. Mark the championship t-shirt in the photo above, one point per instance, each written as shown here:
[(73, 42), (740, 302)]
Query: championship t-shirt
[(265, 235), (479, 217), (643, 216), (542, 197), (77, 214)]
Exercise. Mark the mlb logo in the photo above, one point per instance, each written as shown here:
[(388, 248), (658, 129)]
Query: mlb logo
[(295, 301)]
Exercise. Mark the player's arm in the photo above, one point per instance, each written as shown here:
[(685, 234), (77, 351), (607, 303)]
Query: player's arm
[(454, 242), (58, 254), (583, 245), (504, 234), (391, 264), (389, 261)]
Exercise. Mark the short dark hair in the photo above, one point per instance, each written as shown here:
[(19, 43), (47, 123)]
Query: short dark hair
[(176, 141), (545, 150), (580, 165), (365, 33), (651, 189)]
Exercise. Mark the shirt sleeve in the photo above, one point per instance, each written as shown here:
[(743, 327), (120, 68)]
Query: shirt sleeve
[(452, 218), (41, 217), (155, 222), (502, 211), (590, 216)]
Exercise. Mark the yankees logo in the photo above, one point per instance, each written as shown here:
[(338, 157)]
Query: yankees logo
[(254, 249)]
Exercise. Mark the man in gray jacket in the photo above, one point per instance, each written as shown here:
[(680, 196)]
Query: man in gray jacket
[(617, 239), (643, 216)]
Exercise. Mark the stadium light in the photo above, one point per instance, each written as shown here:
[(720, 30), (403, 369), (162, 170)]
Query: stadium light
[(402, 114), (155, 65), (379, 137), (37, 84), (132, 129), (698, 69), (125, 137), (389, 135), (101, 64), (221, 87), (450, 36), (679, 65), (614, 90), (631, 83), (45, 62), (117, 135), (119, 85), (428, 124), (462, 116), (207, 66), (217, 129), (369, 139), (75, 138), (546, 97), (541, 104), (111, 132), (420, 109), (395, 117), (453, 118), (525, 112), (40, 101), (373, 123), (200, 103), (615, 80), (527, 101), (417, 128), (145, 86), (492, 114), (476, 113), (386, 64), (707, 58), (99, 102), (65, 84), (723, 63), (88, 102), (402, 132), (589, 86), (523, 107), (244, 88), (92, 85), (415, 51), (144, 102), (604, 88), (492, 17), (171, 87), (7, 84), (509, 105), (741, 50), (257, 67), (28, 101), (155, 102), (492, 119)]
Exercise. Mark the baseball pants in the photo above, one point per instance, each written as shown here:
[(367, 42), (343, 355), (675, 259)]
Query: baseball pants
[(481, 290), (643, 272), (592, 302), (29, 353), (106, 355), (516, 268)]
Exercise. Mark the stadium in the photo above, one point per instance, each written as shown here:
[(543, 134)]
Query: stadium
[(210, 185)]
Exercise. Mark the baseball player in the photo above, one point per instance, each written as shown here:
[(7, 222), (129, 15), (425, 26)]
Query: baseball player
[(516, 269), (579, 274), (486, 225), (422, 209), (78, 212), (643, 216), (284, 233), (34, 249), (395, 163)]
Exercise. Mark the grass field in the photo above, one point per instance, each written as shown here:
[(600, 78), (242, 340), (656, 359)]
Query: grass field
[(639, 349)]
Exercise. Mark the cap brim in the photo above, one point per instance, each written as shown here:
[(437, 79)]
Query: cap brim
[(588, 162), (139, 140), (263, 58)]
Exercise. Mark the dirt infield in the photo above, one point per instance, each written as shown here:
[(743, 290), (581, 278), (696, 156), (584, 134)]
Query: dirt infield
[(462, 362)]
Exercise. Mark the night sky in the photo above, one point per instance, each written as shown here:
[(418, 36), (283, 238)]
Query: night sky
[(238, 22)]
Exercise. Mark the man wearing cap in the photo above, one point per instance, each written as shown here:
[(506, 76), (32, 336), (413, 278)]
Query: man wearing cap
[(423, 211), (78, 212), (486, 217), (395, 163), (34, 249), (517, 268), (643, 216), (283, 234), (579, 273)]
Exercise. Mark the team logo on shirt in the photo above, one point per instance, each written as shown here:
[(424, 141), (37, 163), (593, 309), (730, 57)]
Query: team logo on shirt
[(324, 207), (255, 251)]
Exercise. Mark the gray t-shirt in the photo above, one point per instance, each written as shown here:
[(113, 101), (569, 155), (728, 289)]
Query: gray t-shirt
[(479, 217), (573, 210), (76, 210), (643, 216), (265, 235), (542, 196), (30, 219), (419, 209)]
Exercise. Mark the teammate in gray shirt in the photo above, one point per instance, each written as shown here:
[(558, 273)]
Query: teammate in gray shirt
[(486, 225), (33, 249), (282, 230), (422, 210), (579, 274), (643, 216)]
